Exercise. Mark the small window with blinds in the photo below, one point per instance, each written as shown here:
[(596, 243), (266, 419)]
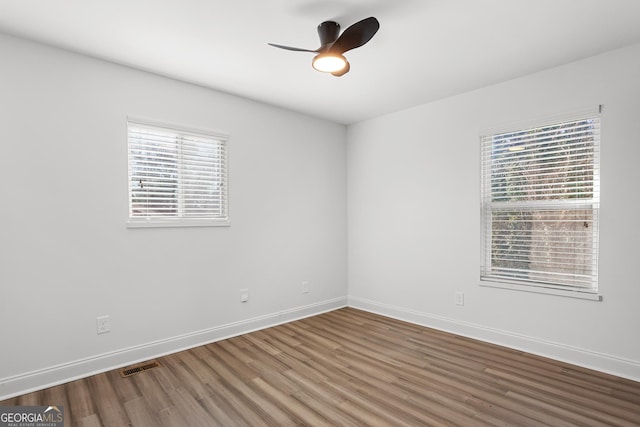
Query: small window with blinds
[(177, 177), (540, 198)]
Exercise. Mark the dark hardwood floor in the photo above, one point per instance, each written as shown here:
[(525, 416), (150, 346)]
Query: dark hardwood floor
[(348, 368)]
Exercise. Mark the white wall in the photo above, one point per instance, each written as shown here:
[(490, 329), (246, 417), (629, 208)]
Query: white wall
[(414, 228), (67, 257)]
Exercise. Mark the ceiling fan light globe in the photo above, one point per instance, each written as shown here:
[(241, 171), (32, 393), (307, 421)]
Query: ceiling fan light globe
[(329, 63)]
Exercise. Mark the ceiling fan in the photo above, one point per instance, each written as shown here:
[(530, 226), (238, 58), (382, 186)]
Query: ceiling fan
[(330, 58)]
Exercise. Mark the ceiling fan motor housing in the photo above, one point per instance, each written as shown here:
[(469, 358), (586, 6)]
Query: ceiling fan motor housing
[(328, 32)]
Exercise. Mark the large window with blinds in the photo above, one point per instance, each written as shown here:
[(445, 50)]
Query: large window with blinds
[(540, 190), (177, 177)]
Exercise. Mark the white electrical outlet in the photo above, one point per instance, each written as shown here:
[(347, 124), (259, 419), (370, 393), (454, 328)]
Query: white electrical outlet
[(244, 295), (459, 298), (102, 325), (305, 287)]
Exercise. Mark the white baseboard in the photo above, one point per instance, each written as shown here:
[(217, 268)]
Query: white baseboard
[(54, 375), (576, 356)]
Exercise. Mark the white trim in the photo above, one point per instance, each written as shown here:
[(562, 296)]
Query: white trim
[(538, 288), (602, 362), (177, 222), (81, 368)]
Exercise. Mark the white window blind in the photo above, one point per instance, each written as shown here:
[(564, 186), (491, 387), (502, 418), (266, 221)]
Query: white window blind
[(540, 199), (176, 177)]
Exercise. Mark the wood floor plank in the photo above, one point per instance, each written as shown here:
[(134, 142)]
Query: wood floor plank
[(193, 414), (140, 414), (126, 390), (152, 391), (348, 368), (90, 421), (30, 399), (316, 403), (303, 414), (108, 407), (195, 361), (81, 402), (227, 396), (219, 410), (56, 396)]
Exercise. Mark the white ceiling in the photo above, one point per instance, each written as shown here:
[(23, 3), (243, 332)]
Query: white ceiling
[(425, 49)]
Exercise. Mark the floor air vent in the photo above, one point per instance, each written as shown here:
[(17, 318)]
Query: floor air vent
[(140, 367)]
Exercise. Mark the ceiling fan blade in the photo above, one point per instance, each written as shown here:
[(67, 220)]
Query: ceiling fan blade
[(295, 49), (356, 35)]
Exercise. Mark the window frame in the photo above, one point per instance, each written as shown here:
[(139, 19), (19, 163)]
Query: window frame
[(181, 132), (488, 206)]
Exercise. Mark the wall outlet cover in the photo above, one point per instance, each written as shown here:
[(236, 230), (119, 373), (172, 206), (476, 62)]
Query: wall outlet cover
[(102, 325)]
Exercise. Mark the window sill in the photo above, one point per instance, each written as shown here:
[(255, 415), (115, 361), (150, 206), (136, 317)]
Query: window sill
[(170, 223), (539, 289)]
